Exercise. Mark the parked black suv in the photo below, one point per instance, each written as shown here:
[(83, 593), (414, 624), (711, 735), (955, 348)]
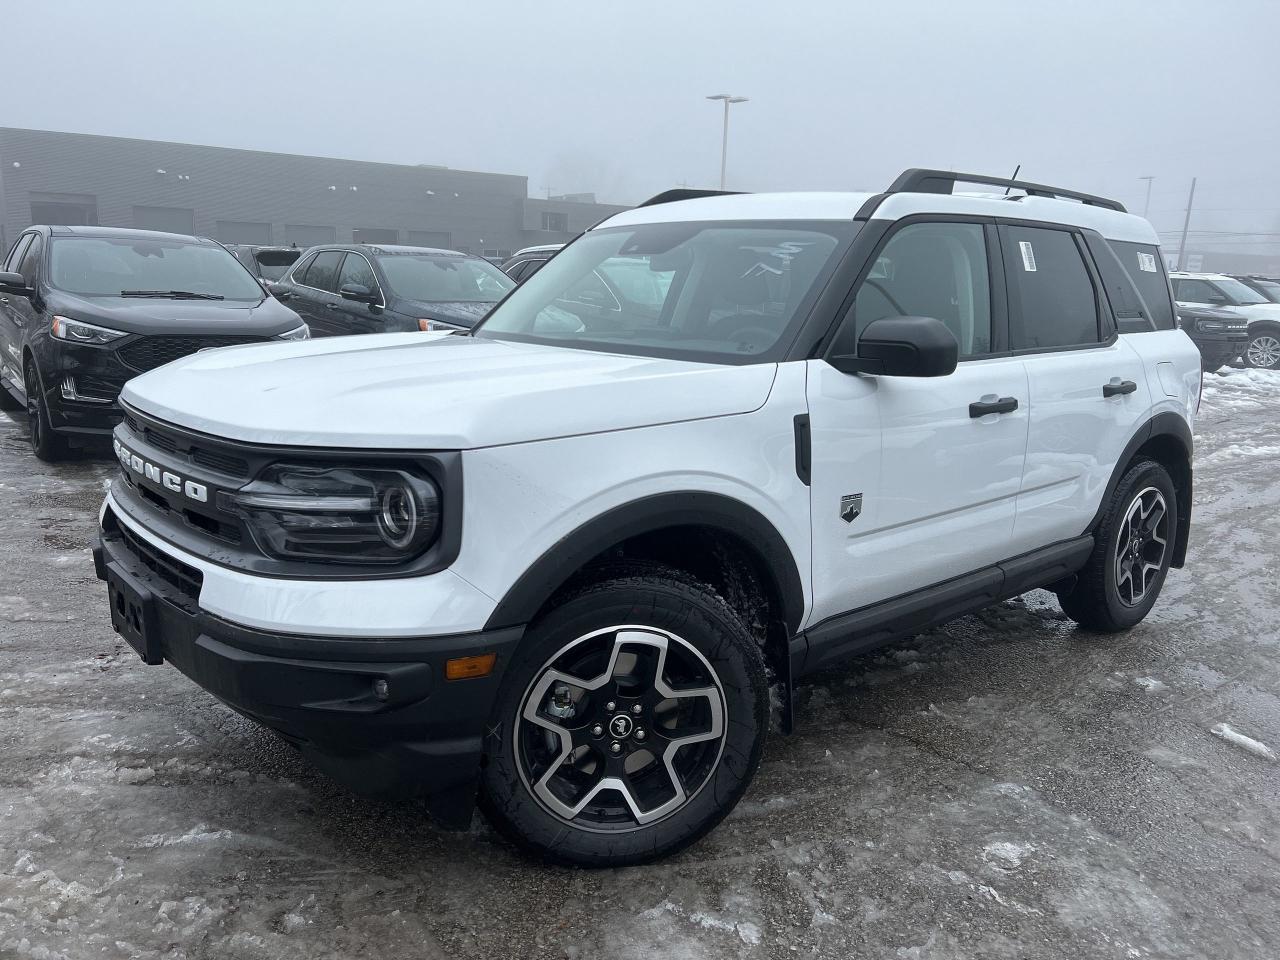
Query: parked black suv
[(343, 289), (83, 309), (1219, 335), (265, 263)]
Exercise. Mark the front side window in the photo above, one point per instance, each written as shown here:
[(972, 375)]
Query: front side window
[(16, 254), (934, 270), (112, 266), (1196, 291), (356, 269), (445, 279), (715, 292), (29, 266), (1051, 295)]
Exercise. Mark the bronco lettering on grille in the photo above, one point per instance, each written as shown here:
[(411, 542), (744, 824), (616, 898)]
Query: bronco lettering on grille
[(157, 474)]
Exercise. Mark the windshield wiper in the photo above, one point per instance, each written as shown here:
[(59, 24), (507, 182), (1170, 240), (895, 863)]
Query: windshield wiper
[(172, 294)]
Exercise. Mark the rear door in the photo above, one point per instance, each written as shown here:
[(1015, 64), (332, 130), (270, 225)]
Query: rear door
[(315, 296), (911, 483), (1088, 387)]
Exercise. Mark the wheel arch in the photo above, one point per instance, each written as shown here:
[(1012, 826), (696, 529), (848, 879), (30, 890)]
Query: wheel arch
[(728, 519), (1165, 438)]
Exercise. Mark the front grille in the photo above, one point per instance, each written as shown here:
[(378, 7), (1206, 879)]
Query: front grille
[(184, 578), (147, 353), (190, 448), (235, 466)]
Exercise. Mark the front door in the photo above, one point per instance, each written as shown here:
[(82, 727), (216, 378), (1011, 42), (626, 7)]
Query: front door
[(316, 294), (358, 316), (913, 483)]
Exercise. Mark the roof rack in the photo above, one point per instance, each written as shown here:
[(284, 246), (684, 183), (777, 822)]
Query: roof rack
[(944, 181), (685, 193)]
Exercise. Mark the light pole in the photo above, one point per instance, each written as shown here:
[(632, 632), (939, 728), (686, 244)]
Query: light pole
[(724, 138), (1147, 205)]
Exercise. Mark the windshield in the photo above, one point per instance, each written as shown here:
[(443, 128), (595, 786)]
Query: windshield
[(724, 293), (445, 278), (108, 266), (1242, 293), (272, 264), (1270, 287)]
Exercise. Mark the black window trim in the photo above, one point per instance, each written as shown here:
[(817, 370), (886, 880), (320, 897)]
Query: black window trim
[(14, 249), (1106, 321), (316, 256), (999, 293)]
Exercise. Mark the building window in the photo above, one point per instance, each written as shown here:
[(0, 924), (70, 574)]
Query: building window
[(167, 219), (374, 235), (243, 231), (64, 209), (555, 222), (307, 235)]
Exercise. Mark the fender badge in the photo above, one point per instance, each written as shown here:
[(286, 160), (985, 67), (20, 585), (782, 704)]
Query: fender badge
[(850, 507)]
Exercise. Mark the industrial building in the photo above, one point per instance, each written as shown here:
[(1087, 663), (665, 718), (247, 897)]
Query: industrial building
[(251, 196)]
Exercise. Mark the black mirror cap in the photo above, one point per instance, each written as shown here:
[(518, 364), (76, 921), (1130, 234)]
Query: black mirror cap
[(903, 347), (14, 283), (358, 292)]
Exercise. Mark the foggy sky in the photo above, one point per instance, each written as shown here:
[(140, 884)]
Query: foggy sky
[(608, 96)]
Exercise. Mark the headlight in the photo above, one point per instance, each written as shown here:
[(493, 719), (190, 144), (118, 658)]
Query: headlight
[(427, 325), (338, 514), (77, 331), (1211, 326), (297, 333)]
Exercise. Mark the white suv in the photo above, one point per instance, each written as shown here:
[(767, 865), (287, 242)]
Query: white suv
[(559, 563), (1227, 293)]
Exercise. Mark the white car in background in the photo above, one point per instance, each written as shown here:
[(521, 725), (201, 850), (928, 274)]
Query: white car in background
[(1227, 293)]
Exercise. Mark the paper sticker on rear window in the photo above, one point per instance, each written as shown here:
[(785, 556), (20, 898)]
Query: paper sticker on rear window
[(1147, 262), (1028, 256)]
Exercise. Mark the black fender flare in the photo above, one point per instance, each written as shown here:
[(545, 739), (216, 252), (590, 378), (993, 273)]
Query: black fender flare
[(1162, 424), (646, 515)]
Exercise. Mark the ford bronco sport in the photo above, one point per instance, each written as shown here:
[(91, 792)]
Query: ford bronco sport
[(557, 564)]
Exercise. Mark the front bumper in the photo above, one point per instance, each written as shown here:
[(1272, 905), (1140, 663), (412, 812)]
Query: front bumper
[(1218, 349), (422, 737)]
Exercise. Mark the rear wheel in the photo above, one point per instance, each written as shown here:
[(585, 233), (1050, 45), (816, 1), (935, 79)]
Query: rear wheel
[(1263, 349), (45, 443), (630, 723), (1131, 554)]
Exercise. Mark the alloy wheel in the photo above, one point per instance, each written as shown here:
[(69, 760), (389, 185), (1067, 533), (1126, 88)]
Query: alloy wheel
[(1264, 352), (34, 422), (620, 728), (1141, 545)]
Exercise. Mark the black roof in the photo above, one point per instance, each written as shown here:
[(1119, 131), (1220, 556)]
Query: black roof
[(121, 233), (395, 250)]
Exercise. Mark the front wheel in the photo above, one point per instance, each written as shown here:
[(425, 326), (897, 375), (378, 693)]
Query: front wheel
[(631, 721), (1133, 548), (1263, 349), (45, 443)]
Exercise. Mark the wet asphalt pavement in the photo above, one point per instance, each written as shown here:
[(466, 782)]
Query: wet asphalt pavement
[(1007, 786)]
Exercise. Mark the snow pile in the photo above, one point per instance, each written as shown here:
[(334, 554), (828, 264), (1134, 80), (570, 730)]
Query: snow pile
[(1236, 389), (1004, 855), (1151, 684), (1244, 451), (1256, 747)]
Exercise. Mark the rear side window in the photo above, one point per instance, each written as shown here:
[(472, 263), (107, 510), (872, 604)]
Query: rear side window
[(1051, 296), (323, 272), (1145, 268)]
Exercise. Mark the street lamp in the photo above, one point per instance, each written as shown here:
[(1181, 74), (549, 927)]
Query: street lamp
[(724, 139)]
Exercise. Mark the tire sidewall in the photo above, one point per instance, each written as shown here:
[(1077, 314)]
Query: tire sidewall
[(714, 632), (1145, 475)]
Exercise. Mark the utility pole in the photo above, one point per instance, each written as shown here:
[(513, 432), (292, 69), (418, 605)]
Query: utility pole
[(1147, 205), (724, 137), (1186, 222)]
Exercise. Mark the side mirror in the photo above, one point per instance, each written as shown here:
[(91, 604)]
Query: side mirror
[(903, 347), (357, 292), (14, 283)]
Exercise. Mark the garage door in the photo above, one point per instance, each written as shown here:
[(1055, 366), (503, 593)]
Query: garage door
[(168, 219)]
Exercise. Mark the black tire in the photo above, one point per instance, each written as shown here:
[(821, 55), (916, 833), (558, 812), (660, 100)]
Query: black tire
[(45, 443), (1262, 351), (709, 635), (1102, 598)]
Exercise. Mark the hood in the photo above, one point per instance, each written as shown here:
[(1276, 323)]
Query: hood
[(466, 313), (145, 315), (1257, 311), (422, 391)]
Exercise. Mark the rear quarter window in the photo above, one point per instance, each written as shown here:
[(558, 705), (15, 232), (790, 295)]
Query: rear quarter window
[(1145, 267)]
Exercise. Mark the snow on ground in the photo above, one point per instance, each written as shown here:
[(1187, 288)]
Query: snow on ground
[(1256, 747)]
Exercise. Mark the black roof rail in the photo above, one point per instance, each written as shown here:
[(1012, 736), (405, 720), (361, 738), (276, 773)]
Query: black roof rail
[(944, 181), (685, 193)]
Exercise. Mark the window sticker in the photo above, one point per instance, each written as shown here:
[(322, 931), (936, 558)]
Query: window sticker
[(1028, 256), (1147, 262)]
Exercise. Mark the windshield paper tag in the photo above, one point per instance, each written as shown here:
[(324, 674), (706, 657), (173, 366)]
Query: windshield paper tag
[(1028, 256), (1147, 262)]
